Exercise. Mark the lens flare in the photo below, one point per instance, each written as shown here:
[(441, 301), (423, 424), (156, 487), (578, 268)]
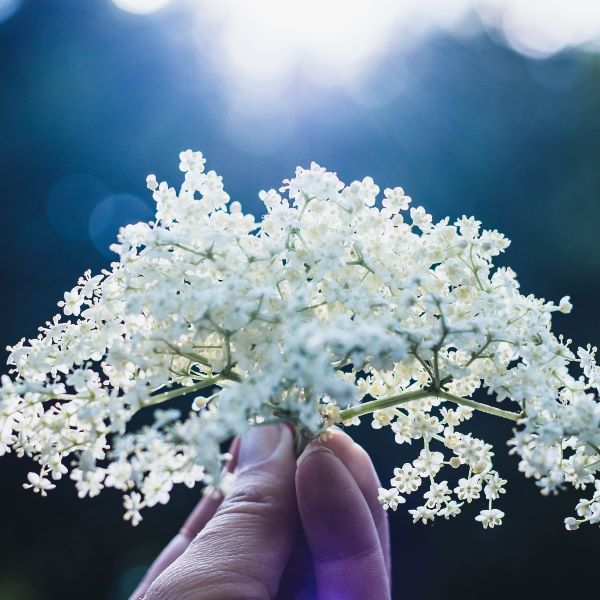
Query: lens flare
[(141, 7), (8, 8)]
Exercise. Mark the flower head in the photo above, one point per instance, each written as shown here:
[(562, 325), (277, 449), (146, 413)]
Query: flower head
[(328, 308)]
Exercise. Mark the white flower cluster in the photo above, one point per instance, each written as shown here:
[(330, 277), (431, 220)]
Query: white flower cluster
[(327, 309)]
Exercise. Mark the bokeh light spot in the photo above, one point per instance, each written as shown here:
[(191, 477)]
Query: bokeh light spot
[(141, 7), (71, 202), (259, 132), (8, 8), (380, 85), (541, 28), (111, 214)]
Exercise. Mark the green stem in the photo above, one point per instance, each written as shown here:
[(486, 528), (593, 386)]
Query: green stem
[(307, 201), (369, 407), (593, 447), (301, 439), (486, 408), (373, 405), (478, 354), (475, 270), (182, 391)]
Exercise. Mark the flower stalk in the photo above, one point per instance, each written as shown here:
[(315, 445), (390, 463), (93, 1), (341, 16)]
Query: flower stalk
[(370, 407)]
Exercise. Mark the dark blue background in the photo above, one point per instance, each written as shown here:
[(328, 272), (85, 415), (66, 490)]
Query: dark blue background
[(478, 129)]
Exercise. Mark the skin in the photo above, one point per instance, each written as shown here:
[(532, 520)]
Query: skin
[(310, 529)]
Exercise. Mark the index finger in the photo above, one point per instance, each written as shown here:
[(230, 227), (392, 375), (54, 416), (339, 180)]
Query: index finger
[(196, 521)]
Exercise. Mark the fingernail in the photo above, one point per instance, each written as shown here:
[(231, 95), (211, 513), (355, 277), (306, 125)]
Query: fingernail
[(258, 444), (291, 428), (311, 449)]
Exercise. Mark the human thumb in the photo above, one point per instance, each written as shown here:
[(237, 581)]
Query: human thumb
[(242, 551)]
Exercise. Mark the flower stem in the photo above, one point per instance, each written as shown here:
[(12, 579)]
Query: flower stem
[(593, 447), (486, 408), (369, 407), (182, 391), (373, 405)]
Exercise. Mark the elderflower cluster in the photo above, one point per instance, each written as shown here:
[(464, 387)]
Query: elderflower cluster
[(331, 307)]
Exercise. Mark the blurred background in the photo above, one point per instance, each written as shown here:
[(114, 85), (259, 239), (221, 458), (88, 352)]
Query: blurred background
[(476, 107)]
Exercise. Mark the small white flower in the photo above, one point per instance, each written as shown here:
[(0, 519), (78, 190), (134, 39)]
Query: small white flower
[(403, 432), (494, 486), (151, 182), (406, 479), (420, 218), (468, 489), (382, 418), (118, 475), (423, 514), (452, 509), (571, 524), (390, 498), (88, 482), (438, 494), (191, 161), (565, 305), (490, 518), (426, 426), (429, 463), (133, 504), (587, 359), (395, 200), (38, 483), (71, 304), (468, 227)]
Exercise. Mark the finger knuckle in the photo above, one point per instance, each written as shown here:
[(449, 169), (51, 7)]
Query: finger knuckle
[(255, 498), (219, 584), (173, 584)]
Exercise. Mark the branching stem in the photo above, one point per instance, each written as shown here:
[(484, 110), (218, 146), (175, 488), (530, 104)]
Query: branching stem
[(381, 403), (369, 407), (486, 408), (182, 391)]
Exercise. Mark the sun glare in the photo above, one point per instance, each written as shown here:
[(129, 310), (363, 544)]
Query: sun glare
[(141, 7)]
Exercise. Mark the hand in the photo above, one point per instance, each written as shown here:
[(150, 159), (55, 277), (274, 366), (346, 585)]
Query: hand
[(290, 531)]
